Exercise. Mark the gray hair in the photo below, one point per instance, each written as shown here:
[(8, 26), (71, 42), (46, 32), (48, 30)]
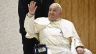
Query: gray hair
[(59, 6)]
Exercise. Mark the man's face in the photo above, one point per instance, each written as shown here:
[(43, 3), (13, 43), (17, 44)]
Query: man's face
[(54, 12)]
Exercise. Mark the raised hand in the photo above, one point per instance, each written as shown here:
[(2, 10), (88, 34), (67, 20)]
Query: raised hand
[(32, 7)]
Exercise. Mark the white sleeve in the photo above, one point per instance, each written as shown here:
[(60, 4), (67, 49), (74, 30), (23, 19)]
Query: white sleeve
[(29, 25), (76, 38), (32, 26), (32, 36)]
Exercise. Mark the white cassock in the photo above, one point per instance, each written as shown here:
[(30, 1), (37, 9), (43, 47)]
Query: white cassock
[(59, 36)]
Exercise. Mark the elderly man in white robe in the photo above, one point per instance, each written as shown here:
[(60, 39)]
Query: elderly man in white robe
[(58, 34)]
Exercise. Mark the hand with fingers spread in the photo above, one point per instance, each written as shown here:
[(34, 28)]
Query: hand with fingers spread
[(32, 7)]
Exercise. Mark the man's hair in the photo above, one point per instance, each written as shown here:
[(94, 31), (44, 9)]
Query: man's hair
[(59, 6)]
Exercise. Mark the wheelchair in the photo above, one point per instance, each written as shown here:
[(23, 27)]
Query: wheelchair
[(41, 47)]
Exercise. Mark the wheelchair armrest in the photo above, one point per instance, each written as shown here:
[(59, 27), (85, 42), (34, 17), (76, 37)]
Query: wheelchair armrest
[(40, 46)]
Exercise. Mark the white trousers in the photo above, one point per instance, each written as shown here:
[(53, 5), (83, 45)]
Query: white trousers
[(67, 52)]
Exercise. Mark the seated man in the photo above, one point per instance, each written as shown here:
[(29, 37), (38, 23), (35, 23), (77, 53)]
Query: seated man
[(58, 34)]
